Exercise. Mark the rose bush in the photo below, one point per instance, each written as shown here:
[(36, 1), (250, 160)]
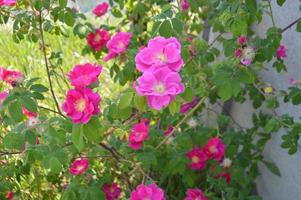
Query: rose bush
[(61, 139)]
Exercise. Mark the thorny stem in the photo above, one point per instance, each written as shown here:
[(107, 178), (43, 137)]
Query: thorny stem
[(181, 121), (290, 25), (47, 66)]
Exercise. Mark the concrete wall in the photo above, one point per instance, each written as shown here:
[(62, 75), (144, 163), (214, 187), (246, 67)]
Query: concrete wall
[(269, 186), (288, 186)]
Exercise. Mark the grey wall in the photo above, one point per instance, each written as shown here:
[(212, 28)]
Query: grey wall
[(288, 186)]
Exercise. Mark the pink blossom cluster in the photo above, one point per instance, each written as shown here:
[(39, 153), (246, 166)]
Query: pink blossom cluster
[(195, 193), (281, 52), (139, 134), (149, 192), (101, 9), (79, 166), (244, 53), (185, 5), (112, 191), (82, 103), (188, 106), (8, 2), (11, 77), (160, 63), (214, 149), (10, 195), (116, 45)]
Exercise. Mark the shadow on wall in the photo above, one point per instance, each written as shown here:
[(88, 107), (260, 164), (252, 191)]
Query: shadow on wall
[(85, 5)]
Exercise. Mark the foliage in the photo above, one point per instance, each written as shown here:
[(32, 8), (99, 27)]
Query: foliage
[(47, 33)]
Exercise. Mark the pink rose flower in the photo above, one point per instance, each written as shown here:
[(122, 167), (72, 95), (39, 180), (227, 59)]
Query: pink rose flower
[(215, 149), (150, 192), (195, 194), (281, 52), (160, 87), (84, 75), (79, 166), (8, 2), (9, 195), (98, 39), (168, 131), (160, 52), (118, 44), (185, 5), (188, 106), (28, 113), (101, 9), (112, 191), (238, 53), (226, 176), (138, 135), (292, 82), (241, 40), (11, 76), (3, 96), (198, 158), (81, 104)]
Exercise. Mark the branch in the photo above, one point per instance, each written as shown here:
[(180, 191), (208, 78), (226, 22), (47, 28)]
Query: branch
[(9, 153), (290, 25), (181, 121), (46, 65)]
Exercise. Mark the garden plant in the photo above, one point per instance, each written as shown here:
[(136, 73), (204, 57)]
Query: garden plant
[(112, 104)]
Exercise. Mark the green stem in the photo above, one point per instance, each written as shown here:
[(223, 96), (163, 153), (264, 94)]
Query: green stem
[(271, 13)]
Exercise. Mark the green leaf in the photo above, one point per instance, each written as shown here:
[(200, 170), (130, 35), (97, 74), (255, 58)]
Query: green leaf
[(14, 141), (125, 100), (272, 167), (55, 165), (63, 3), (174, 107), (298, 28), (165, 29), (28, 103), (140, 102), (78, 137), (280, 2), (93, 130), (177, 25), (272, 126), (69, 18), (15, 111)]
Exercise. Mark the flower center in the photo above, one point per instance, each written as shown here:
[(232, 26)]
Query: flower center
[(79, 168), (97, 38), (195, 159), (212, 149), (159, 88), (121, 45), (80, 105), (111, 190), (147, 198), (162, 57)]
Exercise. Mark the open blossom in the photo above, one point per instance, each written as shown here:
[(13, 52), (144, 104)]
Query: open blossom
[(195, 194), (150, 192), (9, 195), (101, 9), (138, 134), (185, 5), (188, 106), (8, 2), (84, 75), (160, 52), (81, 104), (197, 158), (11, 76), (112, 191), (241, 40), (118, 44), (98, 39), (160, 87), (28, 113), (215, 149), (79, 166), (3, 96), (281, 52)]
